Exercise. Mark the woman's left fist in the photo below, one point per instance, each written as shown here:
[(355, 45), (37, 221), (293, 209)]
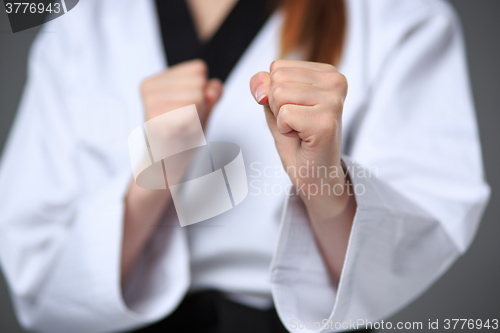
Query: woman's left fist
[(303, 103)]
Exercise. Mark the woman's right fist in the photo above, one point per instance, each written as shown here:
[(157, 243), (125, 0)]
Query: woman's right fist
[(178, 86), (172, 133)]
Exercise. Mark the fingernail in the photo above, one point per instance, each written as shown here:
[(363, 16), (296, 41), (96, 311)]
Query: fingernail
[(260, 93)]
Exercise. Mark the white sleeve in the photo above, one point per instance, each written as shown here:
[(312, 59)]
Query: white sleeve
[(417, 169), (60, 247)]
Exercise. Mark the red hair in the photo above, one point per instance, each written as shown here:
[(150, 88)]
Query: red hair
[(316, 27)]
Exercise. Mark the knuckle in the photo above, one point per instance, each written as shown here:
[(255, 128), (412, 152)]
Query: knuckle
[(199, 66), (278, 95), (199, 81), (275, 75), (342, 82), (339, 81), (284, 112), (335, 101), (277, 91), (282, 127), (278, 75), (335, 80), (327, 67), (274, 64)]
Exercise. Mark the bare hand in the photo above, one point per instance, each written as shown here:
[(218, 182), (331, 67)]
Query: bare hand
[(303, 102)]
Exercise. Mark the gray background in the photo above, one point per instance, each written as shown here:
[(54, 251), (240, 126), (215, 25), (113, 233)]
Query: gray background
[(471, 288)]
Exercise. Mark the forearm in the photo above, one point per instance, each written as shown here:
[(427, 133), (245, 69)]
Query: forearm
[(143, 209), (178, 86), (331, 217)]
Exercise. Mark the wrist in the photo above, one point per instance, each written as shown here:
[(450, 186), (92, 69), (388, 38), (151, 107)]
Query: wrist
[(334, 199)]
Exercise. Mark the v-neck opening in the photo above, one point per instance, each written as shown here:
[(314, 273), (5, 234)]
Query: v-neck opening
[(201, 42), (222, 51)]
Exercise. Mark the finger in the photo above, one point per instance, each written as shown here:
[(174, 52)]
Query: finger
[(292, 93), (259, 86), (280, 63), (311, 124), (213, 91), (170, 96), (212, 94), (330, 81), (176, 83), (283, 141), (271, 120), (189, 72), (192, 66), (296, 74), (298, 120)]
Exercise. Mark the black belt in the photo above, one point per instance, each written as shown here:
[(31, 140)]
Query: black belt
[(210, 312)]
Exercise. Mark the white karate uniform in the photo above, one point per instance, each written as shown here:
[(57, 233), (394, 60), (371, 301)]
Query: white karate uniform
[(408, 122)]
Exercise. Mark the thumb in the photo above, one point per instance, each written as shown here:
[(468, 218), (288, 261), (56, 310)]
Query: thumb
[(212, 94), (259, 85)]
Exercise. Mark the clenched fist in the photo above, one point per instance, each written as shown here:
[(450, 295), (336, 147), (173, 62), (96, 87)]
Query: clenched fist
[(303, 102), (178, 86)]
